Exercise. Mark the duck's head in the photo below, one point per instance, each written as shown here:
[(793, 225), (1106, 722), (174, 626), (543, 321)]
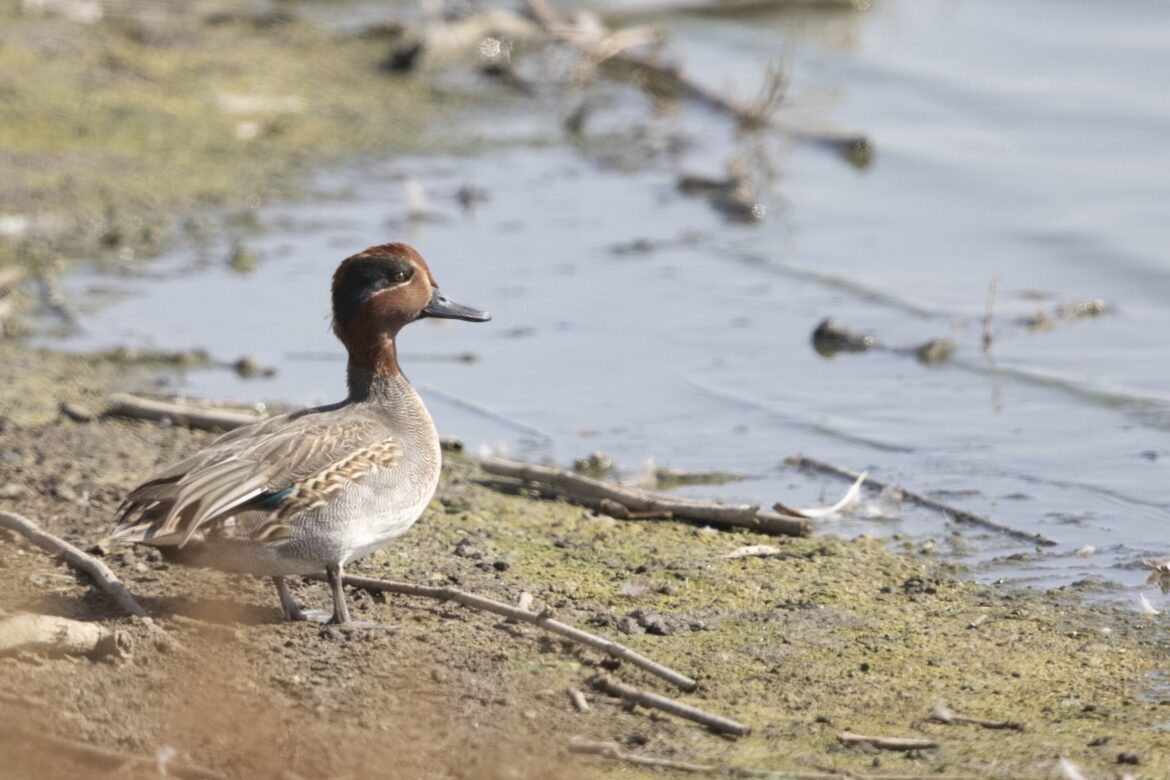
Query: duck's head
[(380, 290)]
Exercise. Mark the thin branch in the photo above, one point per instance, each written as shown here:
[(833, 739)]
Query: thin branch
[(595, 493), (186, 414), (102, 758), (887, 743), (205, 417), (578, 700), (989, 314), (58, 636), (716, 723), (960, 515), (541, 619), (101, 574), (856, 148), (611, 750), (941, 713), (719, 8)]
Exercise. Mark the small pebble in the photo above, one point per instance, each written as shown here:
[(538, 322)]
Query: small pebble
[(12, 490)]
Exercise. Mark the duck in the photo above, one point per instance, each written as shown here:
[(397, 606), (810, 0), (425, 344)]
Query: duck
[(314, 490)]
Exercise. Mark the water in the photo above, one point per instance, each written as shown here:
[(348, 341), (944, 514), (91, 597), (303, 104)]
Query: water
[(1020, 141)]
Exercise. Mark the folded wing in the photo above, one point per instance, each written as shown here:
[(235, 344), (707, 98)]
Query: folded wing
[(281, 466)]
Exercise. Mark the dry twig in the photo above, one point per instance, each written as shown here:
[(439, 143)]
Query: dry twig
[(541, 619), (611, 750), (101, 758), (186, 414), (671, 78), (987, 316), (614, 752), (960, 515), (717, 723), (101, 574), (578, 700), (941, 713), (58, 636), (887, 743), (604, 495)]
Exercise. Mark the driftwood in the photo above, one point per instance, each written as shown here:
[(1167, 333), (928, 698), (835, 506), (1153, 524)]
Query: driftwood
[(716, 723), (192, 415), (941, 713), (185, 414), (578, 700), (109, 760), (887, 743), (960, 515), (855, 148), (543, 619), (613, 751), (101, 574), (722, 8), (604, 495), (54, 635)]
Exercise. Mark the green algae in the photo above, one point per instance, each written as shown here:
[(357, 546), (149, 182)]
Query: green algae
[(109, 131), (839, 635)]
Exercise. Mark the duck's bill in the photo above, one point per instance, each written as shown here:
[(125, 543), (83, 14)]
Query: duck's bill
[(449, 310)]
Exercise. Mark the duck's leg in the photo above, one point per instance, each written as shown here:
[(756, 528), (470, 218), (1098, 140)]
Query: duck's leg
[(336, 583), (287, 603)]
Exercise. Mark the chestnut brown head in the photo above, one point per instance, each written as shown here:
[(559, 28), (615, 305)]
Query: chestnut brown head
[(384, 288), (380, 290)]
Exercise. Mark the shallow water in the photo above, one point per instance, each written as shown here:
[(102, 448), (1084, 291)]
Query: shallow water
[(1019, 141)]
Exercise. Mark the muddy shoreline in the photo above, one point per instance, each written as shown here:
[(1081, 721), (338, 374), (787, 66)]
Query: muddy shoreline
[(835, 635)]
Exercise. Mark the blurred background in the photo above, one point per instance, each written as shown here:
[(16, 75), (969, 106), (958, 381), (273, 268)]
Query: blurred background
[(660, 203)]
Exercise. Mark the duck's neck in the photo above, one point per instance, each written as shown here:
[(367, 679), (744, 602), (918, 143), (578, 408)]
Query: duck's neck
[(373, 370)]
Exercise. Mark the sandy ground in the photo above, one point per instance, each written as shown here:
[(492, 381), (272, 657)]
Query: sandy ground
[(836, 635)]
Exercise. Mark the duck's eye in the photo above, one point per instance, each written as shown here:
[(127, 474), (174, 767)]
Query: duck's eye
[(400, 276)]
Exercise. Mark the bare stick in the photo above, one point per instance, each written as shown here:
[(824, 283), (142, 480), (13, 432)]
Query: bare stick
[(611, 750), (717, 723), (595, 493), (941, 713), (189, 415), (200, 416), (108, 759), (887, 743), (960, 515), (541, 619), (987, 316), (101, 574), (719, 8), (578, 700), (56, 302), (856, 148), (57, 636)]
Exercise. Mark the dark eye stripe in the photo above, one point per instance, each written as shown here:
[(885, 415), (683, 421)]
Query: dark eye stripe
[(365, 277)]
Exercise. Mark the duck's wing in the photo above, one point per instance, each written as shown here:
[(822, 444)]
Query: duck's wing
[(282, 466)]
